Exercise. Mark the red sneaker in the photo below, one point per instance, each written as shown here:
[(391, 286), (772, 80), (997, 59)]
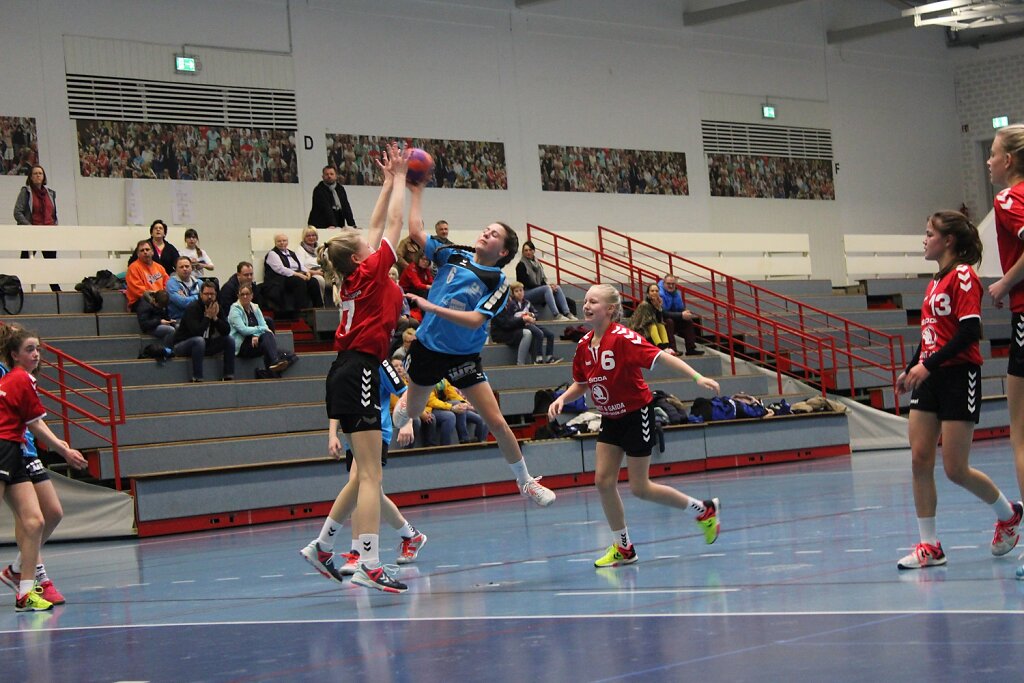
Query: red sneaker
[(411, 548), (50, 593), (10, 578)]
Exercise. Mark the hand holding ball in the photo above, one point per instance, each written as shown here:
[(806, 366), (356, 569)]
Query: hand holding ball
[(421, 167)]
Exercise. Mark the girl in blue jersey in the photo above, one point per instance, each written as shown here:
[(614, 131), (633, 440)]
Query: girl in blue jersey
[(468, 291)]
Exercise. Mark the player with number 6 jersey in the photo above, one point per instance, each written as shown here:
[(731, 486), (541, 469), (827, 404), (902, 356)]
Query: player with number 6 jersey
[(608, 361), (945, 377)]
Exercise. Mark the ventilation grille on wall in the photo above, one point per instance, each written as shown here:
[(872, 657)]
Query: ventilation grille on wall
[(725, 137), (128, 99)]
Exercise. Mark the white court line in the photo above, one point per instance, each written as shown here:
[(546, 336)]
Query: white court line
[(762, 552), (535, 562), (596, 521), (579, 559), (667, 557), (447, 566), (711, 555), (490, 564), (859, 550), (808, 552), (92, 588), (272, 576), (963, 547), (186, 581), (132, 585), (524, 617), (228, 578), (574, 594)]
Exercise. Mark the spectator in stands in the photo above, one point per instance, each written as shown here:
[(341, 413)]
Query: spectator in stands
[(252, 337), (438, 421), (405, 320), (330, 203), (674, 309), (441, 232), (465, 413), (164, 253), (151, 311), (202, 264), (37, 205), (182, 287), (530, 272), (650, 322), (307, 257), (516, 326), (416, 279), (202, 332), (229, 290), (408, 252), (408, 337), (287, 286), (144, 274)]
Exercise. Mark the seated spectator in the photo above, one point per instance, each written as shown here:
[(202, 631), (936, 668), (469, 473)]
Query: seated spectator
[(649, 321), (408, 251), (307, 257), (151, 312), (465, 413), (516, 326), (287, 286), (228, 293), (405, 320), (416, 279), (164, 252), (202, 264), (684, 322), (438, 420), (182, 287), (202, 332), (530, 272), (253, 338), (144, 274), (402, 350)]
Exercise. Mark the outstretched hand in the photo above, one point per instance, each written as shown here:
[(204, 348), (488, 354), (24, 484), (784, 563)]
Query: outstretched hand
[(709, 383)]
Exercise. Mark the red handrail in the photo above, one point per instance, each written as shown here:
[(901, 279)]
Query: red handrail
[(586, 264), (854, 342), (106, 413)]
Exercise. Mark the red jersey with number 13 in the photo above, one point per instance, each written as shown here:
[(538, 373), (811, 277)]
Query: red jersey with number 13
[(1009, 211), (370, 305), (954, 297), (612, 370)]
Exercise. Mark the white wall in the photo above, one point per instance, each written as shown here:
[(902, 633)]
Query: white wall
[(575, 72)]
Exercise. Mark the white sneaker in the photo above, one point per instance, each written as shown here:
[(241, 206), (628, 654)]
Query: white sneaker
[(923, 555), (560, 319), (1007, 533), (572, 318), (539, 494)]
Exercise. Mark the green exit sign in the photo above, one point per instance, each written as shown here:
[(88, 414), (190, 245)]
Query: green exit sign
[(1000, 122), (185, 64), (767, 111)]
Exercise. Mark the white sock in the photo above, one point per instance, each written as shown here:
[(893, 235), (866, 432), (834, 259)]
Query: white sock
[(696, 505), (26, 586), (369, 550), (926, 525), (16, 565), (519, 469), (327, 534), (622, 539), (1002, 508), (355, 545), (40, 573), (407, 531)]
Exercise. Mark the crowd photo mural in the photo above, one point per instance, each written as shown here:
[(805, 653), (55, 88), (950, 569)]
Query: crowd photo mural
[(133, 149), (770, 177), (459, 164), (622, 171), (19, 145)]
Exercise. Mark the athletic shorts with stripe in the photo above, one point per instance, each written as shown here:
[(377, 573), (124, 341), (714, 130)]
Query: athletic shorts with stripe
[(1015, 366), (633, 432), (13, 464), (427, 367), (353, 392), (952, 393)]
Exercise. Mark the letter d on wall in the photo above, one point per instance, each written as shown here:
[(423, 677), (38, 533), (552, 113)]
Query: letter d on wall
[(307, 142)]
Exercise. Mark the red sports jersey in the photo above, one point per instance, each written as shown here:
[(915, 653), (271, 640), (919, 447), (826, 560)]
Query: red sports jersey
[(19, 405), (955, 297), (370, 305), (612, 370), (1009, 210)]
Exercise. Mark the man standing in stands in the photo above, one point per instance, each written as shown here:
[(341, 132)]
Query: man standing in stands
[(182, 288), (144, 274), (684, 322), (330, 203), (202, 332)]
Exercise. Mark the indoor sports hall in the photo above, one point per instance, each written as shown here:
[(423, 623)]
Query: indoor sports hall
[(780, 168)]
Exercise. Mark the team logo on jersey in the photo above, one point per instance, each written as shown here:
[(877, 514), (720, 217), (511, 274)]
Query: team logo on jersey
[(928, 337), (965, 278), (475, 289), (451, 276), (629, 334), (1004, 199), (599, 393)]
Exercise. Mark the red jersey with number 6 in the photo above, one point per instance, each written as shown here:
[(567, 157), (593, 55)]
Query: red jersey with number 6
[(1009, 211), (19, 405), (370, 305), (612, 370), (954, 297)]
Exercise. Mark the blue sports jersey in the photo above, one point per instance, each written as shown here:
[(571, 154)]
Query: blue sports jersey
[(461, 285), (29, 447)]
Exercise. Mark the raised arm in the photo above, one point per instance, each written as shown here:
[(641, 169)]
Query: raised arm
[(377, 218), (399, 161), (416, 232)]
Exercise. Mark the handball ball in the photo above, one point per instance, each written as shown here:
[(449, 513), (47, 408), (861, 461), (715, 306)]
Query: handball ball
[(421, 167)]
